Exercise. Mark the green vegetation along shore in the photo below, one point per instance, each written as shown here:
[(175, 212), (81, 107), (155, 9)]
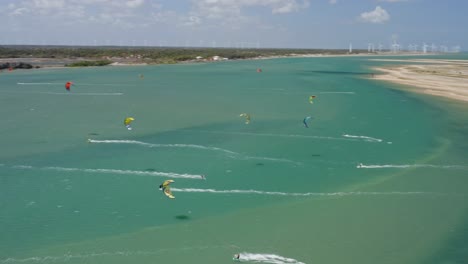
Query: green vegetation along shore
[(99, 56)]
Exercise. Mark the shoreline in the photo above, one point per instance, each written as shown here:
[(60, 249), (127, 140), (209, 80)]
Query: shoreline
[(445, 78), (61, 62)]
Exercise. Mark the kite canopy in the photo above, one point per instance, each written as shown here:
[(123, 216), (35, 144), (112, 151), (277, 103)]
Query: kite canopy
[(306, 120), (311, 99), (127, 122), (68, 85), (166, 189), (247, 117)]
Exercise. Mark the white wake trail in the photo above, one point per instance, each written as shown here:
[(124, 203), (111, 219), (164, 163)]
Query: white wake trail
[(194, 190), (266, 258), (83, 256), (116, 171), (270, 135), (229, 153), (336, 92), (151, 145), (366, 138), (23, 83), (405, 166), (65, 93)]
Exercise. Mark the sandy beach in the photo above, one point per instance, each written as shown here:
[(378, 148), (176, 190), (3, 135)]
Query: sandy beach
[(447, 78)]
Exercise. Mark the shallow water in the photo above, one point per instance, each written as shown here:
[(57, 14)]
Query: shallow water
[(77, 186)]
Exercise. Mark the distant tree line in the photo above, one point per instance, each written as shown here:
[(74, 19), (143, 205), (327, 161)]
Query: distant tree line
[(147, 54), (89, 63), (19, 65)]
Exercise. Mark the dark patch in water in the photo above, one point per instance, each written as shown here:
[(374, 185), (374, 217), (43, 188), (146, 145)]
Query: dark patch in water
[(150, 169), (182, 217), (93, 134), (259, 164), (316, 155)]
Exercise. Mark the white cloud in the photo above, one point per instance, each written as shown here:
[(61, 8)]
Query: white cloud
[(134, 3), (378, 15), (221, 8), (19, 11), (48, 4), (332, 2)]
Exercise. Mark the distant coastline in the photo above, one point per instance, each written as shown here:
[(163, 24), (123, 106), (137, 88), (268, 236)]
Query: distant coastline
[(446, 78), (55, 56)]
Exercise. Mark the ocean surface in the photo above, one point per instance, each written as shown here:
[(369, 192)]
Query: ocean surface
[(380, 175)]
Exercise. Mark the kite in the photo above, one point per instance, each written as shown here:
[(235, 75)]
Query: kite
[(306, 119), (311, 99), (247, 117), (68, 85), (127, 122), (165, 188)]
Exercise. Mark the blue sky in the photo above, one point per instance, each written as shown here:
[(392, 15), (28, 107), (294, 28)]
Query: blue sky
[(235, 23)]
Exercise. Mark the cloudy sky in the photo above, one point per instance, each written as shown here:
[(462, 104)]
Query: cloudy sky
[(235, 23)]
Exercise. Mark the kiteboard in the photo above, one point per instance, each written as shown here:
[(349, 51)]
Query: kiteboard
[(168, 194)]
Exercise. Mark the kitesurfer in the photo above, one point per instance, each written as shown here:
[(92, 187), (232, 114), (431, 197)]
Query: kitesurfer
[(305, 121), (236, 256), (128, 121), (68, 85), (166, 189)]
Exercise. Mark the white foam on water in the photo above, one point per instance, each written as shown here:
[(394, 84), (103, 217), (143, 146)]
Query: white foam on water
[(65, 93), (77, 84), (271, 135), (366, 138), (405, 166), (68, 257), (100, 94), (151, 145), (22, 167), (130, 172), (116, 171), (267, 258), (231, 154), (22, 83), (336, 92), (193, 190), (84, 256)]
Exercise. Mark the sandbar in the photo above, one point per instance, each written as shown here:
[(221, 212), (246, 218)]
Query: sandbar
[(447, 78)]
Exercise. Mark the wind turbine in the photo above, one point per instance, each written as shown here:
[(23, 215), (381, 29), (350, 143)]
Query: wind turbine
[(410, 47), (456, 49), (424, 47), (395, 47)]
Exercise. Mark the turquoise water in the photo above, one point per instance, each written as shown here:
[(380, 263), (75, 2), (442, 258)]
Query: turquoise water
[(77, 187)]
